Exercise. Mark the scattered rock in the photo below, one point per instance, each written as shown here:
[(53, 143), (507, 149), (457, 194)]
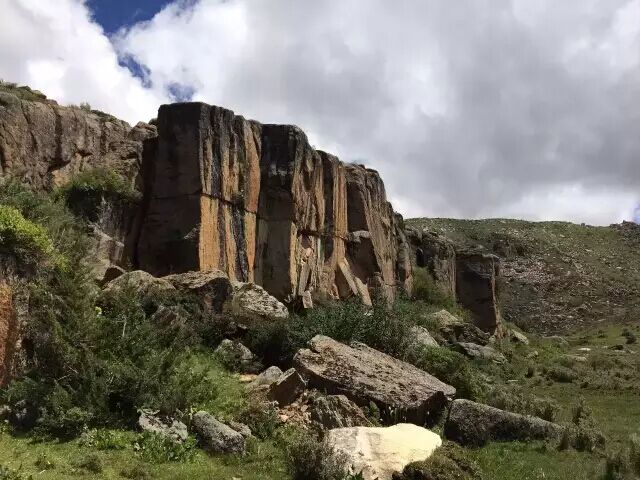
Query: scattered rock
[(143, 283), (420, 338), (170, 428), (380, 451), (475, 424), (251, 303), (241, 428), (518, 337), (557, 340), (269, 376), (287, 387), (452, 329), (364, 375), (575, 358), (213, 286), (235, 356), (215, 436), (481, 352), (337, 411), (534, 354)]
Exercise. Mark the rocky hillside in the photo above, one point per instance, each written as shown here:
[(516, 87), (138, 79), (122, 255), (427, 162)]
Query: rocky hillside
[(555, 276)]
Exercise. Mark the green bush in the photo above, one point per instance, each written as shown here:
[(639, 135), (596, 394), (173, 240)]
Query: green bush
[(103, 439), (25, 241), (91, 463), (624, 464), (309, 458), (89, 191), (518, 401), (379, 327), (426, 289), (261, 418), (156, 448), (7, 473), (449, 462), (450, 367), (561, 374)]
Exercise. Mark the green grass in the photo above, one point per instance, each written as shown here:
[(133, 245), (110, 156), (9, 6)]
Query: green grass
[(264, 461)]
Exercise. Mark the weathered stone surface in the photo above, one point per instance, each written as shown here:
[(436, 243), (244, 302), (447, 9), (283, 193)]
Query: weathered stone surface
[(215, 436), (269, 376), (364, 374), (481, 352), (251, 303), (476, 275), (241, 428), (212, 286), (43, 143), (420, 338), (471, 423), (378, 452), (259, 203), (170, 428), (141, 282), (453, 329), (287, 388), (518, 337), (235, 356), (9, 333), (337, 411), (437, 255)]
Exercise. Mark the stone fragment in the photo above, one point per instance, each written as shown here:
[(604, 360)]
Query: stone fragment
[(452, 329), (142, 283), (251, 303), (170, 428), (269, 376), (518, 337), (215, 436), (420, 338), (474, 424), (378, 452), (363, 374), (241, 428), (481, 352), (235, 356), (287, 388), (337, 411), (212, 286)]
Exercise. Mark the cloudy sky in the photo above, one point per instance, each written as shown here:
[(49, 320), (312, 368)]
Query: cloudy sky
[(472, 108)]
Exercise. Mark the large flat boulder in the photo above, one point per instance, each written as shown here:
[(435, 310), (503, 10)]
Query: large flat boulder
[(475, 424), (140, 282), (251, 303), (212, 286), (362, 374), (378, 452)]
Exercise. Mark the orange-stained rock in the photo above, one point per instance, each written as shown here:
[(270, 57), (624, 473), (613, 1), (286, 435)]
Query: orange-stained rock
[(9, 333), (259, 203)]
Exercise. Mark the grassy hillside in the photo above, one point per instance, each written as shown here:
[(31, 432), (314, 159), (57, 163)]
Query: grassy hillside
[(557, 276)]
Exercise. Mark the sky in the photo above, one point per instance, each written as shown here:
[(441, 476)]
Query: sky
[(468, 109)]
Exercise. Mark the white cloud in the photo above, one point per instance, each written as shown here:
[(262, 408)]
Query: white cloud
[(56, 47), (471, 108)]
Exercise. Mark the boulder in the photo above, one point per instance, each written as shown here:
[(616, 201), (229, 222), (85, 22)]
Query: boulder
[(111, 273), (251, 303), (378, 452), (337, 411), (241, 428), (142, 283), (474, 424), (518, 337), (235, 356), (215, 436), (261, 204), (453, 329), (481, 352), (212, 286), (476, 277), (287, 388), (363, 374), (419, 338), (266, 378), (436, 254), (170, 428)]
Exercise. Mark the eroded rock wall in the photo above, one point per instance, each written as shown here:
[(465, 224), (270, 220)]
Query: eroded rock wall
[(258, 202)]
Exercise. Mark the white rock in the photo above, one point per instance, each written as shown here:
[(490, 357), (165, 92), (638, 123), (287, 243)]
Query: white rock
[(380, 451), (252, 303)]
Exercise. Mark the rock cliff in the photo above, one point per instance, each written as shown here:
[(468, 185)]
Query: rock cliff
[(258, 202)]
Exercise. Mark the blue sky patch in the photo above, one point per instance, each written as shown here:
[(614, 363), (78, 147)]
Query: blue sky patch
[(114, 14)]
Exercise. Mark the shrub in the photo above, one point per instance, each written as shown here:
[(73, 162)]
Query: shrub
[(43, 462), (92, 463), (156, 448), (261, 418), (518, 401), (426, 289), (450, 367), (137, 472), (25, 241), (587, 437), (449, 462), (88, 192), (103, 439), (7, 473), (309, 458), (561, 374)]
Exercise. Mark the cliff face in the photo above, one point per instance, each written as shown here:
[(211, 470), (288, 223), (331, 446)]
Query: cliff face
[(258, 202), (44, 143)]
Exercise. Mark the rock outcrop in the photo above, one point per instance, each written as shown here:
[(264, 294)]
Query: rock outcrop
[(468, 275), (10, 320), (471, 423), (379, 452), (258, 202), (363, 374)]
